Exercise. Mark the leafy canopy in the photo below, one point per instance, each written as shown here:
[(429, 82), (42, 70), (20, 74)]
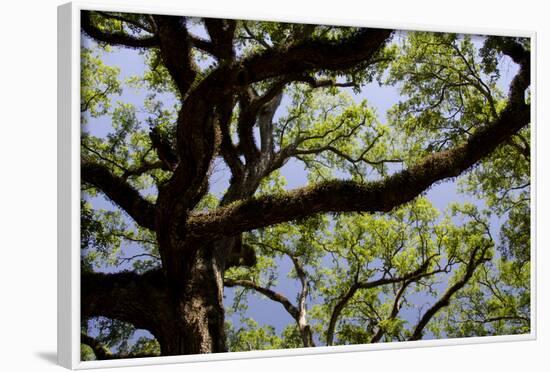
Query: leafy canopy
[(356, 277)]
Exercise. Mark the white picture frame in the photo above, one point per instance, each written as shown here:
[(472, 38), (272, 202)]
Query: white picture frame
[(69, 188)]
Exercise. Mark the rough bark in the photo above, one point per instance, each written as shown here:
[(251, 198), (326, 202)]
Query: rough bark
[(199, 325), (186, 317)]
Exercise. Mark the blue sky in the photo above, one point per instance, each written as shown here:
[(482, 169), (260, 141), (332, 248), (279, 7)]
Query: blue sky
[(264, 311)]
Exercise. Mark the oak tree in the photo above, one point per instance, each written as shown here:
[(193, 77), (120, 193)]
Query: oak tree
[(361, 241)]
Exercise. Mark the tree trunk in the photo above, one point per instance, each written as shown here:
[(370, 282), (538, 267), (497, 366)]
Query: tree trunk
[(198, 326)]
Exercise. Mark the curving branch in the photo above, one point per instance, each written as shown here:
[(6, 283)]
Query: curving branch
[(114, 38), (444, 300), (202, 44), (377, 196), (394, 311), (197, 137), (259, 110), (126, 296), (143, 168), (357, 285), (120, 192), (251, 36), (311, 54), (227, 149), (175, 50), (269, 293), (222, 32), (303, 326), (247, 118), (143, 300), (293, 150), (265, 121), (298, 313), (120, 17)]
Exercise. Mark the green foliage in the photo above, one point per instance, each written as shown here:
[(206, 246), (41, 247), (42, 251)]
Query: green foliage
[(504, 181), (157, 78), (449, 87), (134, 24), (114, 334), (345, 249), (515, 234), (97, 83), (497, 302), (86, 353), (251, 337), (334, 136), (103, 235), (100, 236), (447, 94), (290, 337), (118, 338), (145, 346)]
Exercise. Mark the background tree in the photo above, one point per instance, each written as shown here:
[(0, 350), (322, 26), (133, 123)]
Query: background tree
[(362, 241)]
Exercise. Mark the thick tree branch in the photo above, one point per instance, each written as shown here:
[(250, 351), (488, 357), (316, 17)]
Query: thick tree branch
[(143, 168), (175, 49), (114, 38), (303, 326), (198, 140), (120, 192), (222, 32), (227, 149), (197, 143), (258, 109), (378, 196), (265, 123), (240, 254), (196, 135), (202, 44), (247, 119), (141, 300), (313, 55), (320, 83)]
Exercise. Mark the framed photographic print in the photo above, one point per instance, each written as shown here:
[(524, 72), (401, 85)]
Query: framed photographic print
[(244, 187)]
